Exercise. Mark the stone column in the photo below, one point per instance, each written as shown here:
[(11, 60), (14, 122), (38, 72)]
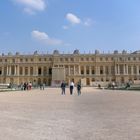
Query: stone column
[(89, 70), (109, 70), (79, 70), (84, 70), (2, 70), (33, 70), (132, 70), (124, 72), (118, 69), (9, 70), (15, 70), (127, 69), (42, 70), (104, 72), (36, 70), (138, 70), (74, 69), (29, 70), (69, 70), (23, 71), (96, 70)]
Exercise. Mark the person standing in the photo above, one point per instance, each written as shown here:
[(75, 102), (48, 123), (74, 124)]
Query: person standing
[(71, 87), (63, 86), (79, 88), (43, 86)]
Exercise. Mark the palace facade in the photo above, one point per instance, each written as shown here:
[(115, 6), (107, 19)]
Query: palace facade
[(51, 69)]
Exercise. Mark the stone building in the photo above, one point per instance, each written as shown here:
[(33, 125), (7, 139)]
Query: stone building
[(53, 68)]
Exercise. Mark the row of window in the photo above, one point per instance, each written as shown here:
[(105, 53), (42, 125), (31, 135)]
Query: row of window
[(73, 59), (27, 71)]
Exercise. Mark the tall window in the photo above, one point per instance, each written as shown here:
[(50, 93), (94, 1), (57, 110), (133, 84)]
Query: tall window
[(26, 70), (72, 59), (20, 71), (101, 69), (13, 60), (50, 71), (112, 70), (106, 70), (121, 69), (76, 70), (12, 70), (31, 70), (135, 69), (39, 71), (71, 69), (66, 59), (45, 71), (61, 59), (129, 69), (66, 70), (21, 60), (87, 69), (93, 70), (82, 70)]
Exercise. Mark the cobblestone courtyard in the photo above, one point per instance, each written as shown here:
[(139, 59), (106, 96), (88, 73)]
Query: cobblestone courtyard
[(48, 115)]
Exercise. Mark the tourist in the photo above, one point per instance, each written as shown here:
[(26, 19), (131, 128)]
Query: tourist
[(63, 85), (71, 87), (30, 86), (43, 86), (25, 85), (79, 88), (113, 85), (21, 86)]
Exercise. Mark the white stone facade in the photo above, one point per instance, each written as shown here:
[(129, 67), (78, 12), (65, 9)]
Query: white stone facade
[(96, 67)]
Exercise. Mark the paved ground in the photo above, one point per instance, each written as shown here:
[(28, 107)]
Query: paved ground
[(47, 115)]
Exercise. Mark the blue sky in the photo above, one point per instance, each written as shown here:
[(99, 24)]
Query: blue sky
[(66, 25)]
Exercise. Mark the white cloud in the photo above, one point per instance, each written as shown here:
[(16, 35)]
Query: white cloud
[(44, 38), (73, 19), (31, 6)]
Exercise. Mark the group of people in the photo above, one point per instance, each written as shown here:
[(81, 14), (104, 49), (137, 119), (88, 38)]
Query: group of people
[(42, 86), (26, 86), (71, 87)]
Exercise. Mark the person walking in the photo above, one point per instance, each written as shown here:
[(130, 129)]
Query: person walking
[(79, 89), (63, 86), (71, 87)]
